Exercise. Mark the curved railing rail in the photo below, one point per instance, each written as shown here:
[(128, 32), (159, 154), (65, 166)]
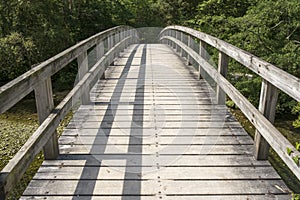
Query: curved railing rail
[(273, 78), (108, 45)]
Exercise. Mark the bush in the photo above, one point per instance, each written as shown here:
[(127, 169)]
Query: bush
[(16, 56)]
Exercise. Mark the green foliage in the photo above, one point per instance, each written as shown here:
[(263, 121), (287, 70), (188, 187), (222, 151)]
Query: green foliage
[(16, 55), (268, 29), (297, 146), (296, 110), (230, 104), (296, 197), (296, 159), (289, 151)]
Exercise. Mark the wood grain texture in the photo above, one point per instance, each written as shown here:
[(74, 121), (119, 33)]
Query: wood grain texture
[(276, 140), (16, 167), (130, 144), (267, 71)]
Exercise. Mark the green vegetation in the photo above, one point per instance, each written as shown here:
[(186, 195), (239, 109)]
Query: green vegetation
[(33, 31)]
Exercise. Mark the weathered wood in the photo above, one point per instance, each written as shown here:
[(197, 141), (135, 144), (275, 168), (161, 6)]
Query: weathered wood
[(83, 68), (181, 39), (267, 71), (222, 69), (278, 142), (44, 105), (100, 53), (14, 91), (267, 106), (171, 197), (17, 166), (188, 59), (177, 37), (203, 54)]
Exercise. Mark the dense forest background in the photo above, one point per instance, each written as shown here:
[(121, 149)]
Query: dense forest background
[(32, 31)]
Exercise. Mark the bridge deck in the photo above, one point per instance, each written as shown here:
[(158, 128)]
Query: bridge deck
[(152, 131)]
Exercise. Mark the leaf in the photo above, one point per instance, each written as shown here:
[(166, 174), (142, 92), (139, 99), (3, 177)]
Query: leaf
[(298, 146), (296, 159), (289, 151)]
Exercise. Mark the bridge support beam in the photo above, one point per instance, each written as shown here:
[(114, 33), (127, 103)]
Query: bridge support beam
[(44, 105), (267, 106), (222, 69)]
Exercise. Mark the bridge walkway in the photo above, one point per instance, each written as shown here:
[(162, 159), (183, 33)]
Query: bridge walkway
[(153, 131)]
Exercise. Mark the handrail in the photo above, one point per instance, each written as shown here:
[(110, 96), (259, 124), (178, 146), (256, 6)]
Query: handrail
[(17, 89), (17, 166), (272, 76), (266, 70)]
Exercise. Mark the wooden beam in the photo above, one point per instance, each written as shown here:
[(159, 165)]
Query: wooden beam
[(267, 106), (83, 68), (45, 104), (222, 69), (181, 39), (203, 54), (189, 45)]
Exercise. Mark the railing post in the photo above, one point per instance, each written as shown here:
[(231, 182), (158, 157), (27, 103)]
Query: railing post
[(173, 35), (222, 69), (203, 54), (100, 53), (181, 39), (188, 55), (44, 105), (83, 68), (267, 106), (177, 46)]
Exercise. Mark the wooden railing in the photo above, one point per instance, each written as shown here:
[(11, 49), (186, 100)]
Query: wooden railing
[(108, 45), (273, 78)]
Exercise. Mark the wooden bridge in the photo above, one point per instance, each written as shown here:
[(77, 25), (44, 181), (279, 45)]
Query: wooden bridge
[(148, 125)]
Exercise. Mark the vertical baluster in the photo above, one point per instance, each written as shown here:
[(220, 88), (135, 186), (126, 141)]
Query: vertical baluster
[(45, 104), (267, 106), (222, 69), (82, 61), (203, 54)]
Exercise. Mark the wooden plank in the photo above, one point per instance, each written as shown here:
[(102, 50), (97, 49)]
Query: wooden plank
[(148, 187), (168, 140), (150, 160), (278, 142), (167, 132), (182, 197), (88, 197), (112, 188), (167, 173), (191, 150), (267, 71), (267, 106), (225, 187)]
